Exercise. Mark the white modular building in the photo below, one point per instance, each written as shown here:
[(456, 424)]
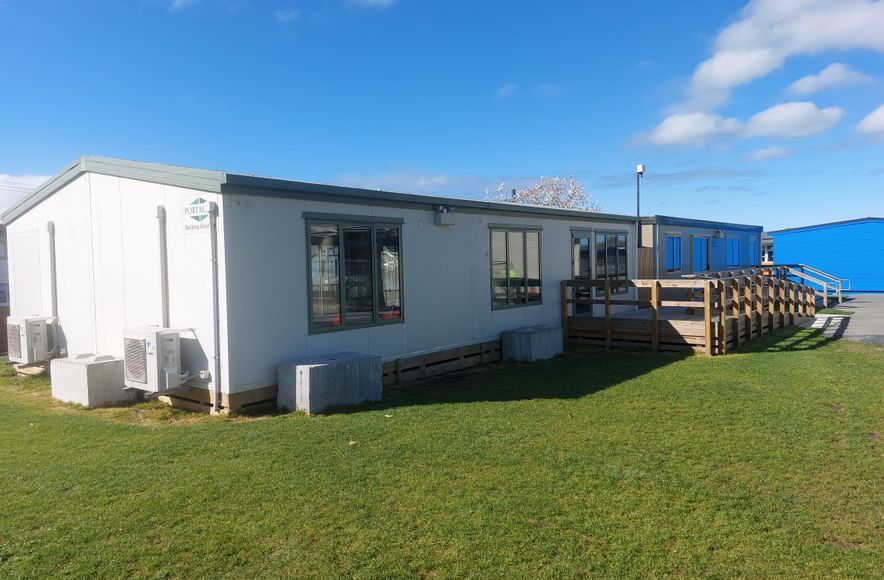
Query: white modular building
[(254, 271)]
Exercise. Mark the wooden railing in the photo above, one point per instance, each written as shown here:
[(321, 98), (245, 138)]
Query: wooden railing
[(722, 310)]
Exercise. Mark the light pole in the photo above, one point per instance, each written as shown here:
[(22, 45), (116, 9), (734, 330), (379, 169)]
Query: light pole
[(639, 172)]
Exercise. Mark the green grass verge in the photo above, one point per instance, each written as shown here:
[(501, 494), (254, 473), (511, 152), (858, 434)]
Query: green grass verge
[(836, 311), (767, 462)]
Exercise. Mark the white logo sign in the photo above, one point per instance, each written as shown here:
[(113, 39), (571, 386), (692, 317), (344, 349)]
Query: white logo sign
[(196, 216)]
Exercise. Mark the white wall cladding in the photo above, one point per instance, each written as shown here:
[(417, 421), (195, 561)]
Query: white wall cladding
[(108, 275), (107, 250), (446, 289)]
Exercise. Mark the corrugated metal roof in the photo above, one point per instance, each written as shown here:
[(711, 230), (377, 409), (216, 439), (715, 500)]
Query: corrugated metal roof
[(828, 225), (689, 222), (234, 183)]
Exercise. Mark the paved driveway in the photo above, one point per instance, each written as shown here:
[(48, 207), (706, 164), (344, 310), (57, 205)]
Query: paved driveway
[(867, 321)]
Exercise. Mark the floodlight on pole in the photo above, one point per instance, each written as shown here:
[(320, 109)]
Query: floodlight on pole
[(639, 173)]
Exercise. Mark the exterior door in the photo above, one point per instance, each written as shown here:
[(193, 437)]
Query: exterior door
[(581, 268)]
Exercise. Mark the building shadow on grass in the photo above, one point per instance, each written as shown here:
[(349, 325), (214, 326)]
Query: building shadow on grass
[(797, 339), (577, 373)]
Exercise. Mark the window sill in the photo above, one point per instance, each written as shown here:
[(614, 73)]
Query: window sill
[(332, 329), (513, 306)]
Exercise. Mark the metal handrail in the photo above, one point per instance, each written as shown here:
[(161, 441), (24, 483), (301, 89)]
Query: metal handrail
[(833, 283), (832, 277)]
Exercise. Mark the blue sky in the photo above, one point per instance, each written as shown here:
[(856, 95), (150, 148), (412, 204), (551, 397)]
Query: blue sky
[(763, 113)]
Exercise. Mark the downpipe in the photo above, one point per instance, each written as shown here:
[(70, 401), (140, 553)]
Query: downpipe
[(216, 309), (164, 266), (53, 287)]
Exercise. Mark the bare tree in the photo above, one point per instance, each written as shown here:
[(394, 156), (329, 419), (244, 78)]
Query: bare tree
[(565, 192)]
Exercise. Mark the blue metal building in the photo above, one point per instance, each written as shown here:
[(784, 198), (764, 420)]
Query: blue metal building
[(852, 249)]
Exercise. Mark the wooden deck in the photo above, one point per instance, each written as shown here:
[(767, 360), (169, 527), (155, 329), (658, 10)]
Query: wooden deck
[(711, 315)]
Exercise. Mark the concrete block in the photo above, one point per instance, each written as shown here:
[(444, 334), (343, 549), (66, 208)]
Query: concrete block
[(313, 384), (531, 343), (92, 381)]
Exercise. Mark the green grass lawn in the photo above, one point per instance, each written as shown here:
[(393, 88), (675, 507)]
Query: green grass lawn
[(834, 311), (762, 463)]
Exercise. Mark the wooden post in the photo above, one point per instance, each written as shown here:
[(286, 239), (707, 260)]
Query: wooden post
[(607, 314), (812, 301), (722, 317), (707, 314), (655, 316), (825, 294), (771, 303), (781, 289), (747, 307), (565, 313), (791, 303), (759, 305), (735, 312)]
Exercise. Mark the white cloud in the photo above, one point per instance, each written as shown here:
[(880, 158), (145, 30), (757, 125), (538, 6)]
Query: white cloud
[(372, 3), (873, 122), (786, 120), (506, 90), (548, 89), (768, 32), (178, 4), (15, 187), (767, 153), (832, 76), (792, 120), (287, 15), (687, 128)]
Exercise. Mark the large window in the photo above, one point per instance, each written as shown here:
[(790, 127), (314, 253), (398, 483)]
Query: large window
[(673, 253), (611, 259), (355, 274), (515, 267), (701, 254), (733, 252)]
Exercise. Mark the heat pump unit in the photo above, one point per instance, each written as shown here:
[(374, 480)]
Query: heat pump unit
[(152, 359), (27, 340)]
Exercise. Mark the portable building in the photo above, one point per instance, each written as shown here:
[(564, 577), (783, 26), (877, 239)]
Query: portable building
[(257, 271), (851, 250), (672, 247), (4, 286)]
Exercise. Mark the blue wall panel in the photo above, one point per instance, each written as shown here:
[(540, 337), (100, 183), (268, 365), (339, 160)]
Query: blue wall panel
[(853, 250)]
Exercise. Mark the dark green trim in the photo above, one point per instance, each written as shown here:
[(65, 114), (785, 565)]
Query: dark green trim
[(339, 217), (200, 179), (238, 184), (515, 227), (692, 223)]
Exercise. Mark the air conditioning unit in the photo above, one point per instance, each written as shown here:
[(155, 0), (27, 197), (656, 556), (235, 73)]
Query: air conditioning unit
[(28, 339), (152, 359)]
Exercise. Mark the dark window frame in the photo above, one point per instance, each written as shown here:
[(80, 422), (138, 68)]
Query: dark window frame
[(615, 289), (708, 242), (674, 255), (738, 257), (339, 222), (524, 229)]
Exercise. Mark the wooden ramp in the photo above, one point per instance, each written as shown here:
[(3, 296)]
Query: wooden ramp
[(711, 315)]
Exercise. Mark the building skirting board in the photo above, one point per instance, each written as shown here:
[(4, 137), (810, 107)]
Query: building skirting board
[(202, 400), (399, 371)]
